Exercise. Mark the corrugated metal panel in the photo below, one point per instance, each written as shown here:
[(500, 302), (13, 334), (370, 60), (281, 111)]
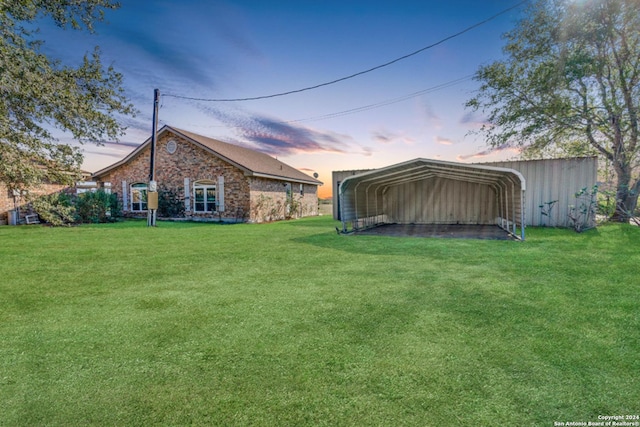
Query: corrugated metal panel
[(337, 178), (441, 201), (456, 192), (553, 179)]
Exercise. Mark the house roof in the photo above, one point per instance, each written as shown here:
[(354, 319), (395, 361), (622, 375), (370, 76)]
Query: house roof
[(253, 163)]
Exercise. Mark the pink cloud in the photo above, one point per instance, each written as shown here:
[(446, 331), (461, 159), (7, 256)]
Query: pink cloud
[(474, 120), (443, 141), (278, 138), (388, 137), (489, 151)]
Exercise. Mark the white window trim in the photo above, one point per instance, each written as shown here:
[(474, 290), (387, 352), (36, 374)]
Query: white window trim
[(137, 187), (204, 185)]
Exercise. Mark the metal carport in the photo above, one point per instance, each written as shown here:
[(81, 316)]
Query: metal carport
[(429, 191)]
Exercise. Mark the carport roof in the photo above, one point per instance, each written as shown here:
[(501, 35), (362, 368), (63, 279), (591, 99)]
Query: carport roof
[(420, 168)]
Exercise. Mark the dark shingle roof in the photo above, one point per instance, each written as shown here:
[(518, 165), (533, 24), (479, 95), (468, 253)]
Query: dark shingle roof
[(254, 163)]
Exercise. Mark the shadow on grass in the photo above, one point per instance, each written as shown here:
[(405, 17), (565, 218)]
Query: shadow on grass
[(320, 221), (402, 246), (164, 223), (541, 243)]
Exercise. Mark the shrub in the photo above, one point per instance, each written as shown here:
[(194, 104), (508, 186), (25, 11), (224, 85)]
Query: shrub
[(96, 207), (169, 204), (606, 203), (55, 209), (583, 215), (545, 211)]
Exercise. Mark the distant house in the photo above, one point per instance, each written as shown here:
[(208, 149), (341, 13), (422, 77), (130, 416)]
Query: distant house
[(200, 178), (15, 205)]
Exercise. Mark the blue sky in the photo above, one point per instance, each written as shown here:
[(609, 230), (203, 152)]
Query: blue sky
[(239, 49)]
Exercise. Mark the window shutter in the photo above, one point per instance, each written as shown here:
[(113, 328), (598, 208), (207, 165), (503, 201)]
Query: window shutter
[(221, 193), (125, 196), (187, 195)]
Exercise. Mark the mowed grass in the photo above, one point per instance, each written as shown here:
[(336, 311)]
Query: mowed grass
[(290, 324)]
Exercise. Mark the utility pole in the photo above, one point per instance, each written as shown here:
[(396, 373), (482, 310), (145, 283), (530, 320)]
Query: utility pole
[(152, 190)]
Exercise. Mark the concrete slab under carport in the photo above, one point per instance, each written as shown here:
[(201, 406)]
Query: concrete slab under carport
[(447, 231)]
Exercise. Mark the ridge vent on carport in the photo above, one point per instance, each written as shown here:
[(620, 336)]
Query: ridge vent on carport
[(484, 194)]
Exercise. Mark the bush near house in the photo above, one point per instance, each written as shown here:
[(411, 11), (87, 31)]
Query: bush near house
[(55, 209), (60, 208), (170, 205), (97, 207)]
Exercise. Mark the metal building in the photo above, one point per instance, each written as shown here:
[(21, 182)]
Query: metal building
[(432, 192), (423, 191), (554, 182)]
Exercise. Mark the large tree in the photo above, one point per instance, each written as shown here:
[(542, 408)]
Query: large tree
[(570, 82), (39, 94)]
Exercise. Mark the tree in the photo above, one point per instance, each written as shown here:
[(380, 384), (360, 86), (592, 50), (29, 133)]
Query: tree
[(38, 94), (570, 83)]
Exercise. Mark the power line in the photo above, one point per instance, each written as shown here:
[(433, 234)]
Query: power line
[(386, 64), (369, 106), (383, 103)]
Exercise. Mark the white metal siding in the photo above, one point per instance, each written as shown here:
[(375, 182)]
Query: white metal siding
[(441, 201), (337, 178), (553, 179)]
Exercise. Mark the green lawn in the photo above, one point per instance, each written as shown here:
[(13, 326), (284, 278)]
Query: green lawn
[(290, 324)]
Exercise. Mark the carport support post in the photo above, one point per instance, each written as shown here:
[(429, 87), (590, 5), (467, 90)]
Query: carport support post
[(152, 191), (513, 207), (522, 216), (341, 207)]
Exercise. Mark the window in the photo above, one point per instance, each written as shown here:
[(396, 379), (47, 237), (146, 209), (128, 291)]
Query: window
[(139, 197), (172, 146), (289, 198), (287, 187), (204, 196)]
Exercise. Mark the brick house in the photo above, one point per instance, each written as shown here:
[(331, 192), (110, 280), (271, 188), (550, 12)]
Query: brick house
[(14, 204), (18, 202), (200, 178)]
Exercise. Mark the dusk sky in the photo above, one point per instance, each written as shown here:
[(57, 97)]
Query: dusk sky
[(244, 49)]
